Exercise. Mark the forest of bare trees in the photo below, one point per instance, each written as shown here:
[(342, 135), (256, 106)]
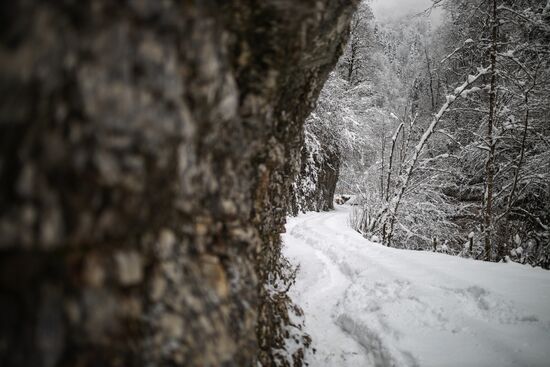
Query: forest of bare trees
[(443, 128)]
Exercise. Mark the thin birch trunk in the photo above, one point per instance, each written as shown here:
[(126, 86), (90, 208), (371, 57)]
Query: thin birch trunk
[(405, 179), (490, 164)]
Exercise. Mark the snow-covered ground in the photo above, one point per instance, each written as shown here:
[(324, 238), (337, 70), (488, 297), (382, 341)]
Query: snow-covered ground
[(369, 305)]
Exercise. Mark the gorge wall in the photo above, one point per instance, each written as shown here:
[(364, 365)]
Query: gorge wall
[(147, 149), (314, 186)]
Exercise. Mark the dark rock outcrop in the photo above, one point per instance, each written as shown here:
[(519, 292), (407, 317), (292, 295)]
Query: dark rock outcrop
[(314, 186), (146, 153)]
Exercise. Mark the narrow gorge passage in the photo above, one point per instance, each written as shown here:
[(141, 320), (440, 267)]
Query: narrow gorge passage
[(369, 305)]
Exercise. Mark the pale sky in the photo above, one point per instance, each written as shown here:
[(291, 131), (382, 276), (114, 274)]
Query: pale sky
[(384, 9)]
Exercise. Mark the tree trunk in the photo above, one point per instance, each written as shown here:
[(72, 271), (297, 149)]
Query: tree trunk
[(490, 164), (390, 163)]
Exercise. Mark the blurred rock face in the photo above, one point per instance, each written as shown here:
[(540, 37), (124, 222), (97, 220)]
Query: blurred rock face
[(146, 153), (314, 185)]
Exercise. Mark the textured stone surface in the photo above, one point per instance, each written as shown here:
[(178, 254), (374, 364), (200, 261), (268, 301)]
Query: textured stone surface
[(314, 185), (146, 153)]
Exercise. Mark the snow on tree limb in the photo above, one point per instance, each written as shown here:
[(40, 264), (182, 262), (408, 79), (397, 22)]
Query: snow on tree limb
[(423, 140)]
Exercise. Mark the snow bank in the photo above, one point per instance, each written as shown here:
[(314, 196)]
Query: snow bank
[(369, 305)]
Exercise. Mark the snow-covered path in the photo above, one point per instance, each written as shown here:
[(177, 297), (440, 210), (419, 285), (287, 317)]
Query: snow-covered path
[(368, 305)]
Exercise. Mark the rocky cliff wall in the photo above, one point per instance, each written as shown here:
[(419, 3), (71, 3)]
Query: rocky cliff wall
[(314, 186), (146, 153), (147, 149)]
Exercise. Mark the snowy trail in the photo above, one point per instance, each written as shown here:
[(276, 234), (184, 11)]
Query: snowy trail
[(369, 305)]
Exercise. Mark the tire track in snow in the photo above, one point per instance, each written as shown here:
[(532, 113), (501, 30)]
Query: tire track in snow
[(410, 308), (377, 349), (318, 297)]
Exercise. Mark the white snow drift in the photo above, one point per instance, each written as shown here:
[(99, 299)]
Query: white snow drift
[(369, 305)]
